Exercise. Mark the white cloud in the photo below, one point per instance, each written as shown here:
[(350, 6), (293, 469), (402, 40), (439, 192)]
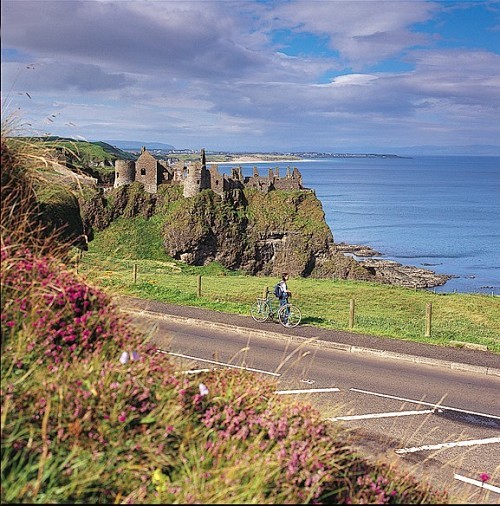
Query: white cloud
[(216, 71), (363, 31)]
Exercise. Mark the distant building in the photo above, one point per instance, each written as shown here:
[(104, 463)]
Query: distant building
[(195, 177)]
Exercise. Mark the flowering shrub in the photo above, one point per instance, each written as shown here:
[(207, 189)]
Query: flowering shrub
[(247, 435), (62, 316)]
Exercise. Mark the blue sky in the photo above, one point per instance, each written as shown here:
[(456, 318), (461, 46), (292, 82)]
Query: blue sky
[(326, 75)]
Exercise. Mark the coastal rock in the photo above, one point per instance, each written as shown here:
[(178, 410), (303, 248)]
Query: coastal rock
[(261, 234), (358, 251), (410, 276)]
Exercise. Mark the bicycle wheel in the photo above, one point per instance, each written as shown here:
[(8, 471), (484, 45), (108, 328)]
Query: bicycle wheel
[(260, 310), (289, 315)]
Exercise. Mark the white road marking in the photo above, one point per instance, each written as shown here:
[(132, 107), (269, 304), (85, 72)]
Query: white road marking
[(195, 371), (382, 415), (307, 391), (219, 363), (472, 442), (440, 406), (478, 483)]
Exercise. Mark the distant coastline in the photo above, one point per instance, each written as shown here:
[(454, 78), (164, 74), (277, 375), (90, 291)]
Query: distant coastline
[(227, 158), (244, 159)]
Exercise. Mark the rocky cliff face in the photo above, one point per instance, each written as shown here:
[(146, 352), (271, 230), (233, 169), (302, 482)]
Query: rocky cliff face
[(260, 234), (254, 232), (257, 233)]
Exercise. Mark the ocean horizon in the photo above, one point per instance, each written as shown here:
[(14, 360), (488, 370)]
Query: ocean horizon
[(441, 213)]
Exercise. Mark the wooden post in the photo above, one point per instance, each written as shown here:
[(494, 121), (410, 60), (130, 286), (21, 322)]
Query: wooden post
[(428, 319), (78, 258), (265, 292), (199, 285), (135, 272), (351, 314)]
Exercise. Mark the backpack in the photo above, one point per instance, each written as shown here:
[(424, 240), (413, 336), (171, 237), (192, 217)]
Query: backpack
[(278, 291)]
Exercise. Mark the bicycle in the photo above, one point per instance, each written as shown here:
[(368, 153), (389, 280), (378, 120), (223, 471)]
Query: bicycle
[(288, 315)]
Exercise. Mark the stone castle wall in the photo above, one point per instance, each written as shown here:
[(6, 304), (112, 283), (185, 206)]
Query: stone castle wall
[(124, 172), (196, 177)]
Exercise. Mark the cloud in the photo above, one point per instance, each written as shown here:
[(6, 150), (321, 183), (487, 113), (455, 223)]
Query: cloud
[(363, 32), (81, 77), (189, 39), (235, 72)]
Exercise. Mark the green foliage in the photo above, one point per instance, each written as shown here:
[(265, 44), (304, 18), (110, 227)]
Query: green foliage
[(293, 210), (132, 238), (83, 150)]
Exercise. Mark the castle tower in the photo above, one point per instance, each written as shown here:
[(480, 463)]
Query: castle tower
[(124, 172), (147, 171), (197, 178)]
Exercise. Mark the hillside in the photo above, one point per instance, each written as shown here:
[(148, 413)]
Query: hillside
[(258, 234), (91, 414), (137, 145)]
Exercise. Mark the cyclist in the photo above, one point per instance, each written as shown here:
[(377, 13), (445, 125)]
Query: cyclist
[(285, 293)]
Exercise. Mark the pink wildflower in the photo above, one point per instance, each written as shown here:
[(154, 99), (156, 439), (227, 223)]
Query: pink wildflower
[(484, 477)]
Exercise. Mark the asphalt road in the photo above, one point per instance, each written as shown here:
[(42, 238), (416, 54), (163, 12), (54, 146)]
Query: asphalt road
[(435, 410)]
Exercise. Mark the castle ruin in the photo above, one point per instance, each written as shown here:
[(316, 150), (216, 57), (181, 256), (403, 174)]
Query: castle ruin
[(195, 177)]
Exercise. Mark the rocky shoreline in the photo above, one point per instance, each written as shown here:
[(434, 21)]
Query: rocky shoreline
[(393, 272)]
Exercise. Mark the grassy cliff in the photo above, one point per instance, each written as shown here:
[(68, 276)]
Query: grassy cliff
[(256, 233)]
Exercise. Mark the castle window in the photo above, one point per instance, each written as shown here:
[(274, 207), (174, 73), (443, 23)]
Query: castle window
[(143, 172)]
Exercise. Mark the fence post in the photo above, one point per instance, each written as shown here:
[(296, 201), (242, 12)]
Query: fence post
[(135, 272), (265, 292), (199, 285), (79, 255), (351, 314), (428, 319)]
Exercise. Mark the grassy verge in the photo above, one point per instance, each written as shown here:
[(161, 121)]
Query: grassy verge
[(380, 310)]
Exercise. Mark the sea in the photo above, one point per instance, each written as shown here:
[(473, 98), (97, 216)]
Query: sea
[(441, 213)]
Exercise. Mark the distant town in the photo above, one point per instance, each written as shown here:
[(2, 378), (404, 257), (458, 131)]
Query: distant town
[(242, 157)]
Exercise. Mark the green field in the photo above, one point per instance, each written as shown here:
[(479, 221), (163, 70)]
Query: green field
[(380, 310)]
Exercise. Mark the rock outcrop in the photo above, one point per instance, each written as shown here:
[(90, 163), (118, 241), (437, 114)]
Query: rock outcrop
[(389, 271), (394, 273), (259, 233)]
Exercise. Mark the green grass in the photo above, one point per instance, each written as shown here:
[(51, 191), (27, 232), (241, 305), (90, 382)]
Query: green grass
[(381, 310)]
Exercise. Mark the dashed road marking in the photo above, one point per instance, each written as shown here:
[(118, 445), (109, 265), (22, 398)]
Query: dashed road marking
[(219, 363), (478, 483), (471, 442), (307, 391), (382, 415), (440, 406)]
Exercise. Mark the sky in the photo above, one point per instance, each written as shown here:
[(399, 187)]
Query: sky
[(362, 76)]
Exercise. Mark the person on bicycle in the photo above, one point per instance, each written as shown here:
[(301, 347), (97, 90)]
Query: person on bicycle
[(285, 292)]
